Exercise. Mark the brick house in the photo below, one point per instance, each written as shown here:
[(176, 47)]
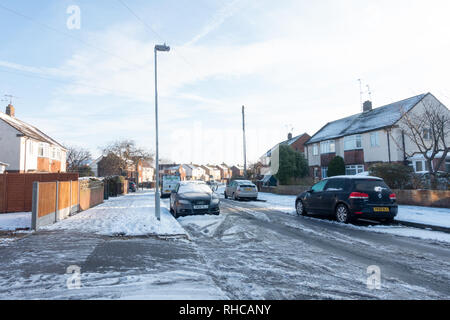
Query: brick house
[(237, 171), (225, 172), (26, 148), (366, 138)]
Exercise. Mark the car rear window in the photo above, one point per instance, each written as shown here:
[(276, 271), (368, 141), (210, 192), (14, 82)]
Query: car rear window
[(369, 185), (194, 188)]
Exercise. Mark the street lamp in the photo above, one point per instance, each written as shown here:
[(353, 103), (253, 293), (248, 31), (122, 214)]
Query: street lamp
[(162, 48)]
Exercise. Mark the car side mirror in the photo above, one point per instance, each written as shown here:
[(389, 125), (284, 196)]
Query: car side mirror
[(310, 191)]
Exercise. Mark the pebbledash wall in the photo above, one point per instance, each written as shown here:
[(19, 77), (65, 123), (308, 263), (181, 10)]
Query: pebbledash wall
[(426, 198), (56, 201)]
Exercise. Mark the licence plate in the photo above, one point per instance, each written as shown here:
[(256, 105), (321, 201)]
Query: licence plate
[(381, 209), (201, 207), (249, 189)]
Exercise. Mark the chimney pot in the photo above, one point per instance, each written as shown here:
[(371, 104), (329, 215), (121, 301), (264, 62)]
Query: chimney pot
[(289, 136), (367, 106), (10, 111)]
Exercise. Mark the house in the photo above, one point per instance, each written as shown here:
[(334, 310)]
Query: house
[(237, 171), (297, 143), (3, 167), (194, 172), (366, 138), (27, 149), (211, 173), (94, 165), (225, 172), (147, 173)]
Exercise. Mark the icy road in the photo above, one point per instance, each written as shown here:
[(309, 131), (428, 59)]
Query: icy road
[(248, 252)]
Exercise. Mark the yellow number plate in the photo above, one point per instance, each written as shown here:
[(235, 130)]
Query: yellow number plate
[(383, 209), (248, 189)]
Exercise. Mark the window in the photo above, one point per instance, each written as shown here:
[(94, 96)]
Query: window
[(41, 150), (319, 186), (335, 185), (427, 134), (374, 141), (324, 172), (58, 154), (352, 142), (327, 147), (421, 166), (315, 150), (354, 170), (53, 153)]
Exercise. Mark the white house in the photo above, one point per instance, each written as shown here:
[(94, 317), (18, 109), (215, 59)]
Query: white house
[(370, 137), (194, 172), (27, 149), (147, 173)]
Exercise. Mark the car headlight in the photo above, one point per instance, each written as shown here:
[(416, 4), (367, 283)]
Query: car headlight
[(215, 201), (185, 202)]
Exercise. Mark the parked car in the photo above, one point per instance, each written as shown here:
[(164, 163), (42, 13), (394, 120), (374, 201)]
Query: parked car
[(193, 198), (241, 189), (349, 198), (131, 186)]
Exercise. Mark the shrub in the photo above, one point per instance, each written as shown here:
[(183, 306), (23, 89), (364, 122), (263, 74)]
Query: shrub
[(396, 176), (292, 165), (336, 167)]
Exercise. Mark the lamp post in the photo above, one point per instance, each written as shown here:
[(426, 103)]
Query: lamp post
[(162, 48)]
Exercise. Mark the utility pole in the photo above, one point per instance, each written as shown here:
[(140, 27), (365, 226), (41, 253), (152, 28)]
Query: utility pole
[(245, 146), (162, 48)]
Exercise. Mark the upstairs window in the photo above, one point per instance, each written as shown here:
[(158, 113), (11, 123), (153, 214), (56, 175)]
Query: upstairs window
[(427, 134), (352, 142), (328, 147), (374, 141), (41, 150), (315, 150)]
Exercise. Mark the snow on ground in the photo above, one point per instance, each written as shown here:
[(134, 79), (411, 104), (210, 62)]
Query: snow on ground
[(129, 215), (425, 215), (15, 221)]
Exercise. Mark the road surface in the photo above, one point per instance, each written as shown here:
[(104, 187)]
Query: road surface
[(247, 252)]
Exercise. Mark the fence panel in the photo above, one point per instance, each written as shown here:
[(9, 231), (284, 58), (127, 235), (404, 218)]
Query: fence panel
[(16, 189), (75, 198), (64, 205)]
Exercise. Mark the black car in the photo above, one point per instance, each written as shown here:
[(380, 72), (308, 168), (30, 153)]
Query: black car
[(192, 198), (349, 198)]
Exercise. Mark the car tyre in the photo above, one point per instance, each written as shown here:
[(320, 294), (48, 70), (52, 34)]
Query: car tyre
[(343, 214), (300, 208), (235, 198), (225, 195)]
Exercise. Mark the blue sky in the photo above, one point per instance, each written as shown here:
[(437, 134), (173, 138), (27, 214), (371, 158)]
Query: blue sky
[(293, 64)]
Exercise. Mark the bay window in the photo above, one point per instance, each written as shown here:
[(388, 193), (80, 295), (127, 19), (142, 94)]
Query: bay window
[(352, 142), (328, 147)]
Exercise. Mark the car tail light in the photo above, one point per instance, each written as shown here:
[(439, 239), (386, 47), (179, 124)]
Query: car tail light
[(359, 195), (393, 196)]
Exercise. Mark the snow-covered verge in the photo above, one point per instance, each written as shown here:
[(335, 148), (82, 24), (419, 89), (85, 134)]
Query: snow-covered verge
[(15, 221), (129, 215)]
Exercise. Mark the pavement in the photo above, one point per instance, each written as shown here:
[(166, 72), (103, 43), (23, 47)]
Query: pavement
[(248, 252)]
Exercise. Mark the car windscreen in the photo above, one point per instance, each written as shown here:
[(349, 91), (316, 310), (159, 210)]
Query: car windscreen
[(194, 188), (370, 185)]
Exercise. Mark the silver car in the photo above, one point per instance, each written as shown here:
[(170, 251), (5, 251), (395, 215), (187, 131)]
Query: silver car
[(241, 189)]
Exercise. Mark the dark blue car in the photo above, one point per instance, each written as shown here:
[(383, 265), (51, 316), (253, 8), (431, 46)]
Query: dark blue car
[(349, 198)]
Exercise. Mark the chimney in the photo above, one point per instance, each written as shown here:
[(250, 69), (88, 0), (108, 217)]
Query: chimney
[(367, 106), (10, 110), (289, 136)]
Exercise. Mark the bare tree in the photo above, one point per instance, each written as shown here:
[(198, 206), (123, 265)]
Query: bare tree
[(125, 155), (429, 132), (78, 160)]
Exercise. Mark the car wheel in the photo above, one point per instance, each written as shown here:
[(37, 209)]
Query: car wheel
[(225, 194), (300, 208), (342, 214), (235, 198)]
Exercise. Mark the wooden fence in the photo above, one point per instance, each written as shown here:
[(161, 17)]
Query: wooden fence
[(16, 188), (55, 201)]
